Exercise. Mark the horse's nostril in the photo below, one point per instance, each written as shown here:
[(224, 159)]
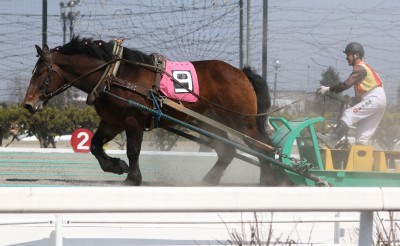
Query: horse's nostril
[(29, 107)]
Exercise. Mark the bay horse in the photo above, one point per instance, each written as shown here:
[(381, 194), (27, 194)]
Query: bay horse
[(81, 64)]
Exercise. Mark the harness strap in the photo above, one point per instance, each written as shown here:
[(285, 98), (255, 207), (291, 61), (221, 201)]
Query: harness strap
[(110, 71), (160, 66), (141, 90), (138, 88)]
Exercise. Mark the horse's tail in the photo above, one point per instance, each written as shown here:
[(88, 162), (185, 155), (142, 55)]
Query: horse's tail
[(263, 98)]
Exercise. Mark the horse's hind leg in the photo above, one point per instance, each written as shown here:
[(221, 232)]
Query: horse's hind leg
[(103, 135), (267, 177), (225, 155)]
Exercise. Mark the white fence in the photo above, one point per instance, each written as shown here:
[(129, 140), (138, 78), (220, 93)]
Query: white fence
[(195, 199), (57, 200)]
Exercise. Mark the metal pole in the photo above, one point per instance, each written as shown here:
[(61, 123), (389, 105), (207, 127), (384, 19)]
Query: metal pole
[(71, 17), (64, 20), (68, 16), (241, 33), (276, 76), (248, 34), (265, 40), (366, 228), (64, 28), (308, 78), (44, 22), (277, 64)]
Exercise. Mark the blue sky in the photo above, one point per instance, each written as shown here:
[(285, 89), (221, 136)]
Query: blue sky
[(306, 36)]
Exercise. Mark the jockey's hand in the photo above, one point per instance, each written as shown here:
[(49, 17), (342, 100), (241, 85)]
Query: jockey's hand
[(323, 90)]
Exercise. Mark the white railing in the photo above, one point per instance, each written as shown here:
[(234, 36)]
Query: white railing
[(195, 199), (191, 223), (202, 199)]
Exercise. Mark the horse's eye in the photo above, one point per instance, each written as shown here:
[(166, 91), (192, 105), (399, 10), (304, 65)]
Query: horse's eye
[(37, 72), (40, 70)]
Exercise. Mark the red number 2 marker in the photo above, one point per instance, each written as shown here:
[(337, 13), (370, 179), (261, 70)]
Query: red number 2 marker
[(81, 139)]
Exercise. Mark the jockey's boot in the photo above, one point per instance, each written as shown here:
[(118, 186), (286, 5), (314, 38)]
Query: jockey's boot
[(337, 133)]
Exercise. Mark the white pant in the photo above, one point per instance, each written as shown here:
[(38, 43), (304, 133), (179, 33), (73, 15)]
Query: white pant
[(368, 113)]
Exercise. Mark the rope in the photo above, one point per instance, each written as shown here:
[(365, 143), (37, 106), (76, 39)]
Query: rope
[(280, 108)]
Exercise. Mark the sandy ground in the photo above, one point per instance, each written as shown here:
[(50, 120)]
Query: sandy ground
[(146, 145), (184, 165)]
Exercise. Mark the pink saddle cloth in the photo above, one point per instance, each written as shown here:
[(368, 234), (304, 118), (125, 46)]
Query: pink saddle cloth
[(185, 73)]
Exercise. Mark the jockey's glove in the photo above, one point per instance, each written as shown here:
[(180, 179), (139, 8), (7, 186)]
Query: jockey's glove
[(323, 90)]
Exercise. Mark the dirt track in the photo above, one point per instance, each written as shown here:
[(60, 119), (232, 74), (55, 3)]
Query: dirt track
[(24, 164)]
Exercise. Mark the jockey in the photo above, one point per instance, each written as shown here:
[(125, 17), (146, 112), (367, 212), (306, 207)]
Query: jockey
[(370, 96)]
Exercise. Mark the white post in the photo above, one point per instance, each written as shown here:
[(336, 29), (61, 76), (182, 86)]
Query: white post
[(336, 232), (59, 234), (366, 228)]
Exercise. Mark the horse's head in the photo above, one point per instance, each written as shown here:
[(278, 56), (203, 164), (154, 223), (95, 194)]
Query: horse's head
[(46, 81)]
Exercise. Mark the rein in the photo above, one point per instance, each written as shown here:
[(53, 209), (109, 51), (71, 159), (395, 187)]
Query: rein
[(46, 96), (162, 71), (124, 84)]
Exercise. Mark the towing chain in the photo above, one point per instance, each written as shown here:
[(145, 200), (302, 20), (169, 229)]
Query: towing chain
[(301, 166)]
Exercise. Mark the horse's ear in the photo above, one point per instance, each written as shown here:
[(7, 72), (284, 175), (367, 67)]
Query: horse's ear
[(39, 51), (45, 48)]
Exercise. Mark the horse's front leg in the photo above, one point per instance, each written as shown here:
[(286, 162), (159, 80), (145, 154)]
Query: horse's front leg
[(134, 138), (103, 135)]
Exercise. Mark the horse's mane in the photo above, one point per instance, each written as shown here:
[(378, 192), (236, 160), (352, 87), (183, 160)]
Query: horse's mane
[(100, 49)]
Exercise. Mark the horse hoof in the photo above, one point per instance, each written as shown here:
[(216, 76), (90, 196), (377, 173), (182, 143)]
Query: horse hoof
[(133, 179), (121, 165), (210, 182), (268, 183), (129, 182), (124, 166), (211, 179)]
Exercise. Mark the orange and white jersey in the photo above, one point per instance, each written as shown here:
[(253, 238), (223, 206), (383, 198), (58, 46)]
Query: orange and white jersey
[(369, 82)]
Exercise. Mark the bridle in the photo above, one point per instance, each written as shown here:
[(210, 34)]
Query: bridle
[(45, 96)]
